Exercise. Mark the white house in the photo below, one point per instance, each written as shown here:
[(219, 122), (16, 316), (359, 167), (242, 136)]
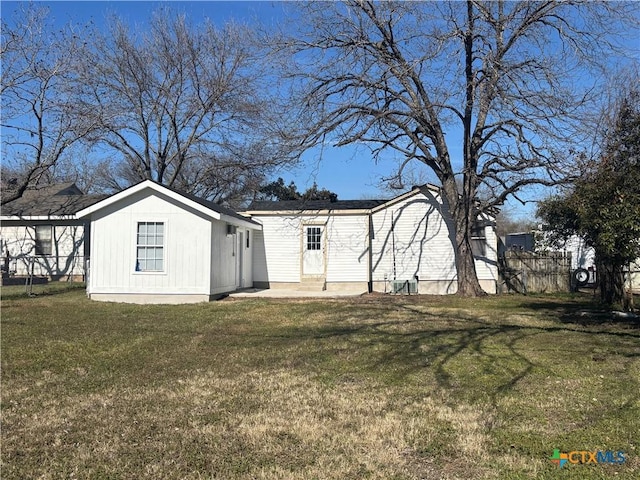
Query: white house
[(366, 245), (152, 244), (582, 256), (40, 233)]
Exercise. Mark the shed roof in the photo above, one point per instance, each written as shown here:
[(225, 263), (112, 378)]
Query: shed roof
[(213, 206), (204, 206)]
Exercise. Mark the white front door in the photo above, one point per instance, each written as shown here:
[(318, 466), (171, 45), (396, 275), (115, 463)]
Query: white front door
[(313, 250)]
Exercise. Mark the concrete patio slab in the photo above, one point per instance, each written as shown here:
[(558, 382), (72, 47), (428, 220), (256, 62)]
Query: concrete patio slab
[(292, 293)]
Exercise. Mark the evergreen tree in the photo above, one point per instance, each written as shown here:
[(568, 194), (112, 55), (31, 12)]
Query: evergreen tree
[(604, 206)]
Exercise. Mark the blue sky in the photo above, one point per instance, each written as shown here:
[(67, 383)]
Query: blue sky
[(348, 171)]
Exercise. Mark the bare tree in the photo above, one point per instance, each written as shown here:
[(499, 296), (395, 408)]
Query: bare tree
[(39, 125), (185, 106), (515, 78)]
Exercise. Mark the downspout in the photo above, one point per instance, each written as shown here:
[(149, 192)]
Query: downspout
[(370, 255), (393, 244)]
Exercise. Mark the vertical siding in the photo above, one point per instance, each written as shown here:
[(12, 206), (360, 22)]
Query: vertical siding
[(223, 258), (187, 252), (260, 273), (248, 259)]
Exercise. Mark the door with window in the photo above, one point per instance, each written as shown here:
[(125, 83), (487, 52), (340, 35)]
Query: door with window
[(313, 250)]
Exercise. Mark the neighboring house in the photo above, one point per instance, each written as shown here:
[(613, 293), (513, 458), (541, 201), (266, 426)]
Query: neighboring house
[(366, 245), (521, 241), (40, 233), (582, 256), (153, 244), (635, 276)]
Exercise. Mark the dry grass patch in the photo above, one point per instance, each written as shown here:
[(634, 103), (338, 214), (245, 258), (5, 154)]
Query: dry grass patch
[(374, 387)]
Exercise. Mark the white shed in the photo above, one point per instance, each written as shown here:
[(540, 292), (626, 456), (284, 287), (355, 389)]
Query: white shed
[(366, 245), (153, 244)]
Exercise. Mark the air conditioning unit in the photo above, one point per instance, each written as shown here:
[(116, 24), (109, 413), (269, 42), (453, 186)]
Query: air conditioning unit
[(406, 287), (231, 229)]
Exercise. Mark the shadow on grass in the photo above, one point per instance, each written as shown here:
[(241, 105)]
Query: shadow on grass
[(14, 292), (463, 351), (591, 314)]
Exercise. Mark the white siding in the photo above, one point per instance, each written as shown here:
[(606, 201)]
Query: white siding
[(277, 249), (187, 252), (223, 259), (582, 256), (418, 244), (67, 249), (347, 248), (421, 244), (487, 266)]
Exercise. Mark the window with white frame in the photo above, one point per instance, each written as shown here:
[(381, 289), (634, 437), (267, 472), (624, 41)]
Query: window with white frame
[(44, 237), (150, 247)]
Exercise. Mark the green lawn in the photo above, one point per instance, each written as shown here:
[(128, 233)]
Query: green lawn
[(372, 387)]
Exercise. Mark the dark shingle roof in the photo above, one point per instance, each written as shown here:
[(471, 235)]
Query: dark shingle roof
[(293, 205), (51, 201), (211, 205)]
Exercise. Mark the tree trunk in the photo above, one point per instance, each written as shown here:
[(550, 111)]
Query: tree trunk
[(463, 218), (468, 284), (611, 281)]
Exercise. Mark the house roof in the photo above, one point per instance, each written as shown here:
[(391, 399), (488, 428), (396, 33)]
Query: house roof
[(212, 206), (206, 207), (327, 205), (60, 200), (268, 205)]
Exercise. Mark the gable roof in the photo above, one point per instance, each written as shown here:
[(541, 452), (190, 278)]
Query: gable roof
[(50, 202), (201, 205)]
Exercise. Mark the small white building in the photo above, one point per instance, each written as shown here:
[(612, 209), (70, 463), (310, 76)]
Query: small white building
[(152, 244), (582, 256), (41, 235), (405, 243)]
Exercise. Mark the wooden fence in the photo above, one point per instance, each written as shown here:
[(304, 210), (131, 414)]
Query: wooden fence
[(527, 272)]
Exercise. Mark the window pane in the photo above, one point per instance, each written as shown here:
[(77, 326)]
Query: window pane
[(314, 238), (43, 239), (43, 232), (150, 247)]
